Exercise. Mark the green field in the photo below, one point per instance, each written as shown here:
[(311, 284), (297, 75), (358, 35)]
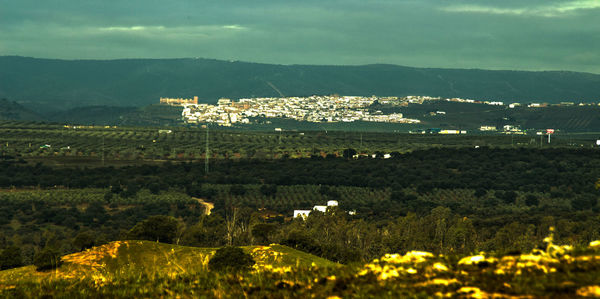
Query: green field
[(96, 146)]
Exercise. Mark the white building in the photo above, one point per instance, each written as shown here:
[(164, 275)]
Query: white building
[(487, 128), (320, 208), (301, 213)]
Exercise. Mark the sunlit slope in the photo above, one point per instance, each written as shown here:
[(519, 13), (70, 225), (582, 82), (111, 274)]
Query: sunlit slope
[(151, 258), (136, 269)]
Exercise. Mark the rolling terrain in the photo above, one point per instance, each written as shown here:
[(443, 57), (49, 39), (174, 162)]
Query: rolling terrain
[(62, 84), (147, 269)]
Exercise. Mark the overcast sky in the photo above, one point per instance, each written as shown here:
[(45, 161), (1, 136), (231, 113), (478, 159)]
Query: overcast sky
[(498, 34)]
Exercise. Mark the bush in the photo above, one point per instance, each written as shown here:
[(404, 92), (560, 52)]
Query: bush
[(480, 192), (231, 259), (84, 240), (11, 258), (268, 190), (262, 231), (47, 259), (156, 228), (238, 190), (531, 200)]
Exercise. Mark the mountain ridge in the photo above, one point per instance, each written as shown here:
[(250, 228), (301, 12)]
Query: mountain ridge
[(63, 84)]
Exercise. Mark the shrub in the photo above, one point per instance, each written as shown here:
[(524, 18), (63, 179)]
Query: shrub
[(531, 200), (11, 258), (480, 192), (238, 190), (157, 228), (231, 259), (84, 240), (47, 259)]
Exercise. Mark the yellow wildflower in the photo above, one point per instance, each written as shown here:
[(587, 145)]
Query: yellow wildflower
[(595, 244), (472, 292), (387, 274), (589, 291), (440, 267), (440, 282), (409, 257), (471, 260)]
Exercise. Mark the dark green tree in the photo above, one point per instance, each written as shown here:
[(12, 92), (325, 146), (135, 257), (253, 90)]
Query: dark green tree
[(157, 228), (349, 153), (262, 232), (237, 190), (231, 259), (11, 258), (84, 240), (47, 259), (268, 190), (531, 200)]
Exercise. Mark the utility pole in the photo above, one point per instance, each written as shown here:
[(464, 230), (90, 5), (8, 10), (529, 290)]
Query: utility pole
[(102, 150), (206, 153), (361, 141)]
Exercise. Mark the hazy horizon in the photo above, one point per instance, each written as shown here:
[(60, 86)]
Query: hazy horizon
[(512, 35), (298, 64)]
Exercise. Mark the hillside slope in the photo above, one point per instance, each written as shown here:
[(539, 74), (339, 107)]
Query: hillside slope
[(135, 269), (122, 259), (133, 82), (10, 110)]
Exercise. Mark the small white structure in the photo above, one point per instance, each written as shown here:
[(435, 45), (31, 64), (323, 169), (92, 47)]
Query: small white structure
[(301, 213), (487, 128), (598, 142), (332, 203), (513, 105), (320, 208)]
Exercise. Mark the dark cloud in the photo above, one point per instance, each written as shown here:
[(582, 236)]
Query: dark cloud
[(510, 34)]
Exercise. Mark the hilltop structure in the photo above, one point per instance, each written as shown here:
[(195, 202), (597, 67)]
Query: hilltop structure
[(179, 101)]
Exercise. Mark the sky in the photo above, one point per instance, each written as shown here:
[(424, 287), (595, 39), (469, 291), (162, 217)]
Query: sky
[(486, 34)]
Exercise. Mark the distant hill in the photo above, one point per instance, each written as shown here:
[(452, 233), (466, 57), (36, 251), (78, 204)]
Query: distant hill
[(61, 84), (151, 115), (10, 110), (472, 116)]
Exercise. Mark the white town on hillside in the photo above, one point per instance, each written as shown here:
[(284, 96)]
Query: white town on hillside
[(311, 109), (328, 108)]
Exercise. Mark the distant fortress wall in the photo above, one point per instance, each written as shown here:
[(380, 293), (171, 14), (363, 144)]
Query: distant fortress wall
[(178, 101)]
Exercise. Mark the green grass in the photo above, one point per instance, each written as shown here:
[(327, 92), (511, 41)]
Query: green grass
[(135, 269), (152, 258)]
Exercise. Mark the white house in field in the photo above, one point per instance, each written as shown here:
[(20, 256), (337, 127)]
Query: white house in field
[(301, 213), (323, 209)]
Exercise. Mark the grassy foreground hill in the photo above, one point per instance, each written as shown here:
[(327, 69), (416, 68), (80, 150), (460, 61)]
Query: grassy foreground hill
[(148, 269), (140, 268)]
